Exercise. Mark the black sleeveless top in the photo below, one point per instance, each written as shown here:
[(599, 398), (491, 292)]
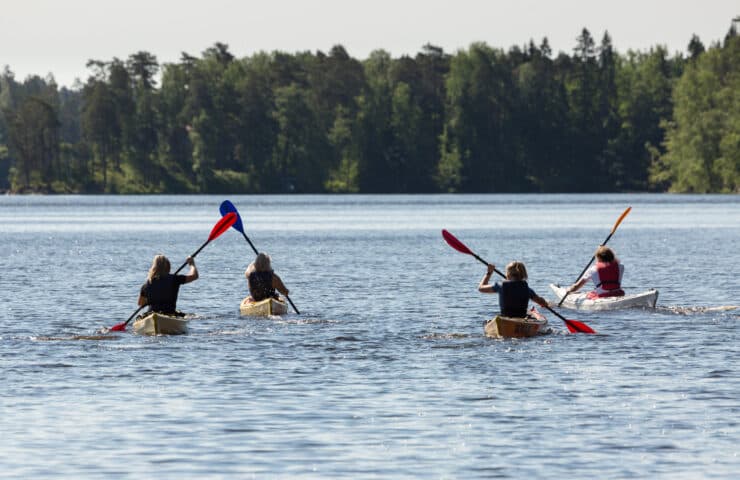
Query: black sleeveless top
[(513, 298), (260, 286), (161, 293)]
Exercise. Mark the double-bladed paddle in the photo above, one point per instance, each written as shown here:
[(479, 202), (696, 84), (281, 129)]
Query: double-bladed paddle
[(574, 326), (221, 226), (228, 207), (614, 229)]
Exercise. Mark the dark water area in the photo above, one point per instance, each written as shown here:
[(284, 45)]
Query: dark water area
[(386, 372)]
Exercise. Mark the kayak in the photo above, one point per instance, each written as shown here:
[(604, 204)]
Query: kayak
[(153, 323), (513, 327), (268, 306), (578, 300)]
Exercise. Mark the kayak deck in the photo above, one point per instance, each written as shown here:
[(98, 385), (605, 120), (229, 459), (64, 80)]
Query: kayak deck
[(512, 327), (266, 307), (154, 323), (580, 301)]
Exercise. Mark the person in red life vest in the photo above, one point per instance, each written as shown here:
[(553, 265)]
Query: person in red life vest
[(606, 275), (514, 292), (262, 281)]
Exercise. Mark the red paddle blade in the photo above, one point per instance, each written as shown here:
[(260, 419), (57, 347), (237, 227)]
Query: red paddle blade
[(222, 225), (121, 327), (574, 326), (455, 243)]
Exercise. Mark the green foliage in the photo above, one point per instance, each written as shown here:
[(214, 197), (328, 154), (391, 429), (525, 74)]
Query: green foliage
[(480, 120), (702, 140)]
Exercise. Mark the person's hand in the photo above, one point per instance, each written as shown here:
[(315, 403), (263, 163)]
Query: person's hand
[(190, 261), (491, 268)]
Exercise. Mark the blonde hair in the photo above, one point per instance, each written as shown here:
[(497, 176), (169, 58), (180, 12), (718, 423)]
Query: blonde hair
[(160, 267), (516, 271), (605, 254), (262, 263)]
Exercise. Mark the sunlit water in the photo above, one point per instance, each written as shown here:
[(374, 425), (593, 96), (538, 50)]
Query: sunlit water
[(386, 372)]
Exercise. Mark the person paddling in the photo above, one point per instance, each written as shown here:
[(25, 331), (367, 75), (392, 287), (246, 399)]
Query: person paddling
[(514, 292), (262, 281), (161, 287), (606, 275)]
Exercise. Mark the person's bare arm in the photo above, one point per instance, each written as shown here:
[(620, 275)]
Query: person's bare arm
[(193, 275), (576, 286), (484, 286), (277, 284), (540, 301)]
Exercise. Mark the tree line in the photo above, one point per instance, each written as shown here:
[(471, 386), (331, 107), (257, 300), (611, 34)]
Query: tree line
[(479, 120)]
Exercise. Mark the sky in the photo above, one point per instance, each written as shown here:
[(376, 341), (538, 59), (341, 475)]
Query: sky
[(38, 37)]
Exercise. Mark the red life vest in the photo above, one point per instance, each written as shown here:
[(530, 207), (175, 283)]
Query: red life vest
[(609, 279)]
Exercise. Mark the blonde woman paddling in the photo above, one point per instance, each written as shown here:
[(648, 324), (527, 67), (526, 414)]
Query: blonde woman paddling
[(161, 287), (262, 281), (514, 292)]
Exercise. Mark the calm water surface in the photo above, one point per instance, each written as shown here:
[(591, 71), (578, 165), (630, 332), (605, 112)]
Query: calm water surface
[(386, 372)]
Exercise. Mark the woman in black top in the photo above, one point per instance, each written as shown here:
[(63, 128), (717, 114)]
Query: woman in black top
[(514, 292), (262, 281), (161, 287)]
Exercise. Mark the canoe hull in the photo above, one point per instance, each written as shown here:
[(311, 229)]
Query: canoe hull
[(266, 307), (511, 327), (158, 324), (579, 301)]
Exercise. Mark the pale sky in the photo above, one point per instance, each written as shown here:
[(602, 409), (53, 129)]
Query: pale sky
[(59, 36)]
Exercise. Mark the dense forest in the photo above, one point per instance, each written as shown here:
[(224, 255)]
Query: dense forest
[(479, 120)]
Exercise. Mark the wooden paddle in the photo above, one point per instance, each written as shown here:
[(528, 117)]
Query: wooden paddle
[(614, 229), (221, 226), (574, 326), (228, 207)]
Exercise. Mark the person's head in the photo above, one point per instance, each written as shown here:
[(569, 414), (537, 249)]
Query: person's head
[(262, 263), (516, 271), (160, 267), (605, 254)]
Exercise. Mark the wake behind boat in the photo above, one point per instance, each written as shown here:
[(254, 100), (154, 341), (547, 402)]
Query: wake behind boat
[(579, 300), (510, 327)]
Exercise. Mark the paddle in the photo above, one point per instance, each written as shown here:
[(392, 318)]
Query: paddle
[(574, 326), (614, 229), (221, 226), (228, 207)]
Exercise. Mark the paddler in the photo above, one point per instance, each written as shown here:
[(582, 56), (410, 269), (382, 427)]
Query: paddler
[(161, 287), (606, 275), (514, 292), (262, 281)]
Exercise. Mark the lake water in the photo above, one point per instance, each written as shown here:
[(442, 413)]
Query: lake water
[(386, 372)]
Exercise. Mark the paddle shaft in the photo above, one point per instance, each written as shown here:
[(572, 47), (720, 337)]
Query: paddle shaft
[(133, 315), (257, 253)]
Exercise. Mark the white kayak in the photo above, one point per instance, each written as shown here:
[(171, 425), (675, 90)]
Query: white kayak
[(579, 301)]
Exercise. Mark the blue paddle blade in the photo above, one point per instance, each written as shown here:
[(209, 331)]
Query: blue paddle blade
[(228, 207)]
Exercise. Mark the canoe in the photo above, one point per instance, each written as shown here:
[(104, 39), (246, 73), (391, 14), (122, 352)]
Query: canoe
[(513, 327), (268, 306), (578, 300), (153, 323)]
